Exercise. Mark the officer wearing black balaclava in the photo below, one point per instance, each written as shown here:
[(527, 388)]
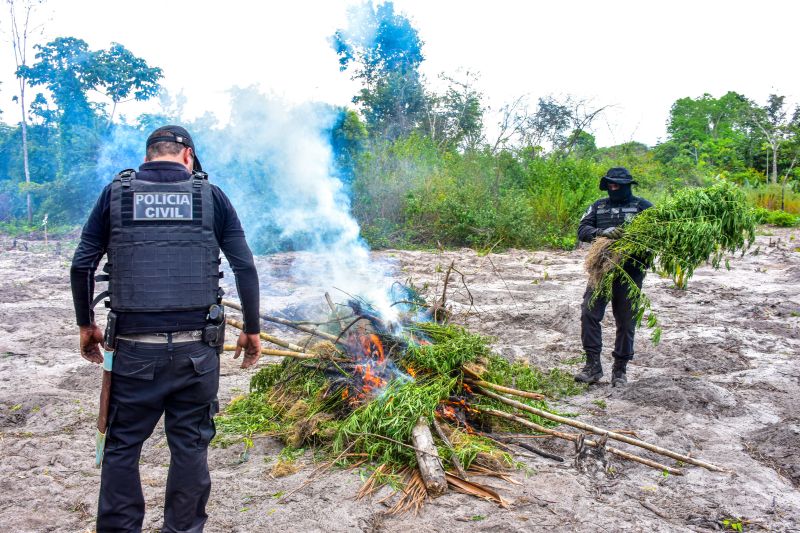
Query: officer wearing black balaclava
[(607, 218), (162, 228)]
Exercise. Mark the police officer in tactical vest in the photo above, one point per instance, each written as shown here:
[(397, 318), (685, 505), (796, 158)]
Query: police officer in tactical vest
[(162, 228), (607, 218)]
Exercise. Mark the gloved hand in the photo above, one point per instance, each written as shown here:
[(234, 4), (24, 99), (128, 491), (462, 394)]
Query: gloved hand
[(613, 233)]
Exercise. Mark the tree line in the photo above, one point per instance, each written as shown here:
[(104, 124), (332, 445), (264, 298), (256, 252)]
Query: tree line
[(417, 157)]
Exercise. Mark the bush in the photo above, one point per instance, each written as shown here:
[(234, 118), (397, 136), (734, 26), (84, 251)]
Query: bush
[(782, 219)]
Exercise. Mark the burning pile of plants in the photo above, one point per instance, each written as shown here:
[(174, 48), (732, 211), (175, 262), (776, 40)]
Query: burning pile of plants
[(425, 405)]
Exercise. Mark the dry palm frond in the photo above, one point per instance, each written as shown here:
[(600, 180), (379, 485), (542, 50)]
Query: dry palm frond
[(600, 260)]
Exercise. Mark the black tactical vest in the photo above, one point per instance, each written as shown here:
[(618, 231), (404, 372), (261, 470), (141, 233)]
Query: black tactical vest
[(609, 216), (162, 253)]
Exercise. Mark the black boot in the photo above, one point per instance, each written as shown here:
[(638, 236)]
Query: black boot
[(593, 370), (618, 378)]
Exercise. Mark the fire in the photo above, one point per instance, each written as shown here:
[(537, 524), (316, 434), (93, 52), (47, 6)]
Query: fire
[(467, 388), (449, 413), (372, 347), (457, 412), (370, 371), (461, 403), (411, 371), (345, 393)]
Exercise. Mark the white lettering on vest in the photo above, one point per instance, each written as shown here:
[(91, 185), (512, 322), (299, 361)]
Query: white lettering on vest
[(162, 206)]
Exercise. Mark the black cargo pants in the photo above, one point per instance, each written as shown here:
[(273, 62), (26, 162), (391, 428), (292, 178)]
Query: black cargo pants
[(592, 315), (149, 380)]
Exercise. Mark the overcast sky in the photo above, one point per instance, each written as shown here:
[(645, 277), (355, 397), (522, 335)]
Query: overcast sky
[(639, 56)]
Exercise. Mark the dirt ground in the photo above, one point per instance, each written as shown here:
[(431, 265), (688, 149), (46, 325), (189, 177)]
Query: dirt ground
[(722, 384)]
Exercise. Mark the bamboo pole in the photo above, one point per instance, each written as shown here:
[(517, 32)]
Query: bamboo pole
[(283, 353), (269, 338), (284, 322), (573, 438), (507, 390), (600, 431)]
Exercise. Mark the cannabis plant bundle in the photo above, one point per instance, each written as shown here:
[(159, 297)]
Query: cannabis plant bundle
[(694, 227)]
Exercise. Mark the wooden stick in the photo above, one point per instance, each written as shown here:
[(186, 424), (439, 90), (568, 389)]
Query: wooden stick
[(269, 338), (284, 322), (507, 390), (526, 446), (429, 463), (334, 311), (284, 353), (600, 431), (453, 457), (571, 437)]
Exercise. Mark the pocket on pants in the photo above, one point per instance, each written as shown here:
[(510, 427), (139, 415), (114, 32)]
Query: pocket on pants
[(134, 366), (205, 360), (208, 428)]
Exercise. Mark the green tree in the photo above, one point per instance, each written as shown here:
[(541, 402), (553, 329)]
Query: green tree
[(384, 52), (779, 128), (711, 131), (454, 119), (67, 68), (122, 76)]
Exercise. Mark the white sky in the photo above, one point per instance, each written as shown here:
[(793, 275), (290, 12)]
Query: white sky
[(639, 56)]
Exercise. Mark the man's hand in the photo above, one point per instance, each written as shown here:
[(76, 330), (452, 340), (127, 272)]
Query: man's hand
[(612, 233), (91, 338), (251, 344)]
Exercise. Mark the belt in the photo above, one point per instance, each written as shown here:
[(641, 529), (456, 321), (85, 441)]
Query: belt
[(163, 338)]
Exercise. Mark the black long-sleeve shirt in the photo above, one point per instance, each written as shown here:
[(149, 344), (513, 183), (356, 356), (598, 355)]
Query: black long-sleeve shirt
[(230, 236)]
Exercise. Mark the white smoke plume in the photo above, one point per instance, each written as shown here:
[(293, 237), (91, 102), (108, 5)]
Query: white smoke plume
[(291, 189), (275, 162)]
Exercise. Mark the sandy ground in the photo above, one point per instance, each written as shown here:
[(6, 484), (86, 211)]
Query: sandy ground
[(723, 385)]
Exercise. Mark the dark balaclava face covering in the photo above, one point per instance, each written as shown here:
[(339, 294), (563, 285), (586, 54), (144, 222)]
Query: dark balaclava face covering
[(621, 195), (619, 176)]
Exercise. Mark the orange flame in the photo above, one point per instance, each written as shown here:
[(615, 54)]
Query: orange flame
[(372, 347), (449, 412), (411, 371)]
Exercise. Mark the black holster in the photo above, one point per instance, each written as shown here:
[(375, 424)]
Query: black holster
[(110, 336), (214, 333)]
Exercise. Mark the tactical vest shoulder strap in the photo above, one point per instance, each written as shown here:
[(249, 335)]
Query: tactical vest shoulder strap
[(198, 176), (125, 177)]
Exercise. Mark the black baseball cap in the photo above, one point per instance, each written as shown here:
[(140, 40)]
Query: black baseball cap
[(179, 135), (618, 175)]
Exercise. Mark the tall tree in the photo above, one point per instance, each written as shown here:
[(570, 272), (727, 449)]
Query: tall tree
[(20, 12), (122, 77), (454, 119), (384, 51), (778, 128), (557, 124), (68, 69), (710, 131)]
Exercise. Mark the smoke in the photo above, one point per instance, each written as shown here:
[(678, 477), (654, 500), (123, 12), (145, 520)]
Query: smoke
[(276, 162)]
